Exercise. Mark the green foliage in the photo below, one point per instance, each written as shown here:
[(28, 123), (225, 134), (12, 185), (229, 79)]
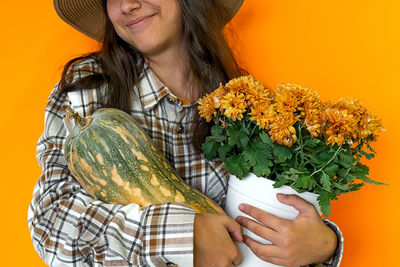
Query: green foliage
[(309, 165)]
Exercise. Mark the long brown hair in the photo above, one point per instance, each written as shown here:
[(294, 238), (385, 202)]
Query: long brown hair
[(211, 61)]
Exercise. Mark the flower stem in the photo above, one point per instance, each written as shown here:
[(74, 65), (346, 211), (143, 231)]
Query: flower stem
[(300, 141), (330, 160), (252, 131)]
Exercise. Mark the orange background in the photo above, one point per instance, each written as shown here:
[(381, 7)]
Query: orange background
[(339, 48)]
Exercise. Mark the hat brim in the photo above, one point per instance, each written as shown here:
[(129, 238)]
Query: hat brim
[(87, 16)]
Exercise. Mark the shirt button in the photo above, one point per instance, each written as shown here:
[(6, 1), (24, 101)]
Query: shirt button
[(169, 100), (180, 128)]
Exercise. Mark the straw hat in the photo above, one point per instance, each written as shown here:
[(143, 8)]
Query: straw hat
[(87, 15)]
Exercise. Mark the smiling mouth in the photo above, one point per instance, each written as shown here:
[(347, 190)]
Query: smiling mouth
[(139, 21)]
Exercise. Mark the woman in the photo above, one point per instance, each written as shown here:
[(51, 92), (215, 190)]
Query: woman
[(157, 58)]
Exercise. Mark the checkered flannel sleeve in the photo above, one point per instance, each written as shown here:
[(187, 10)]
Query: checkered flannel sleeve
[(69, 228)]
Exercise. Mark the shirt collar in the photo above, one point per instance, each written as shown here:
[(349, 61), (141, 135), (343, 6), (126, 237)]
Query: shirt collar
[(151, 90)]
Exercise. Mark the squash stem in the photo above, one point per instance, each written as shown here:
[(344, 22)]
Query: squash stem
[(81, 122)]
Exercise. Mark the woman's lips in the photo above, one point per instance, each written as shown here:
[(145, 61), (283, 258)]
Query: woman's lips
[(139, 21)]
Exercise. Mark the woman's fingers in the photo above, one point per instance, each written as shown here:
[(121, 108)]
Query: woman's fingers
[(305, 208), (262, 251), (234, 229), (213, 245), (301, 241), (269, 253), (237, 260), (263, 217), (258, 229)]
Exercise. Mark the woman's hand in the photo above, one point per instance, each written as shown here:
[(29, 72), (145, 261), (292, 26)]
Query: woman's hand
[(304, 241), (213, 245)]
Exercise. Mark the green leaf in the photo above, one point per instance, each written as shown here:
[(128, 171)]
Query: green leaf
[(349, 178), (279, 181), (292, 177), (343, 187), (346, 160), (311, 142), (331, 169), (263, 152), (282, 153), (368, 155), (322, 146), (250, 154), (325, 181), (243, 138), (294, 171), (325, 155), (355, 187), (360, 171), (370, 181), (217, 134), (223, 150), (209, 148), (324, 199), (305, 182), (261, 170), (235, 165), (257, 153), (315, 160), (341, 173), (233, 135), (216, 130), (265, 138)]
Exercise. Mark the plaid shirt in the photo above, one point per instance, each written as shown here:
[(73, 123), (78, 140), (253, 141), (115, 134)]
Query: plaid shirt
[(69, 228)]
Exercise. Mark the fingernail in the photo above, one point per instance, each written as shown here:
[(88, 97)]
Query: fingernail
[(241, 207), (280, 195), (239, 220)]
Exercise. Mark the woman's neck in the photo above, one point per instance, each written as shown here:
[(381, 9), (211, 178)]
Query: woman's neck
[(171, 67)]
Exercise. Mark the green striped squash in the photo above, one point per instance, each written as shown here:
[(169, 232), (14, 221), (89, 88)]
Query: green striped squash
[(115, 161)]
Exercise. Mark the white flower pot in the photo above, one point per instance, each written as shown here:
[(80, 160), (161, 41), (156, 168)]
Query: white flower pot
[(260, 193)]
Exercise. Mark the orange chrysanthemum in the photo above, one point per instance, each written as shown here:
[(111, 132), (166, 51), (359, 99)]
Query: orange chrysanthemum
[(368, 123), (293, 98), (282, 130), (263, 114), (312, 115), (253, 89), (369, 126), (303, 102), (340, 125), (277, 112), (217, 95), (233, 105), (207, 109), (352, 105)]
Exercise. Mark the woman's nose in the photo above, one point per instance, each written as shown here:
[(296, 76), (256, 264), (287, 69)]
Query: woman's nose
[(128, 6)]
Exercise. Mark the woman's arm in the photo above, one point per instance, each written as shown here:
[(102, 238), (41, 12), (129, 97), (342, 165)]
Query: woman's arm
[(67, 226), (303, 241)]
